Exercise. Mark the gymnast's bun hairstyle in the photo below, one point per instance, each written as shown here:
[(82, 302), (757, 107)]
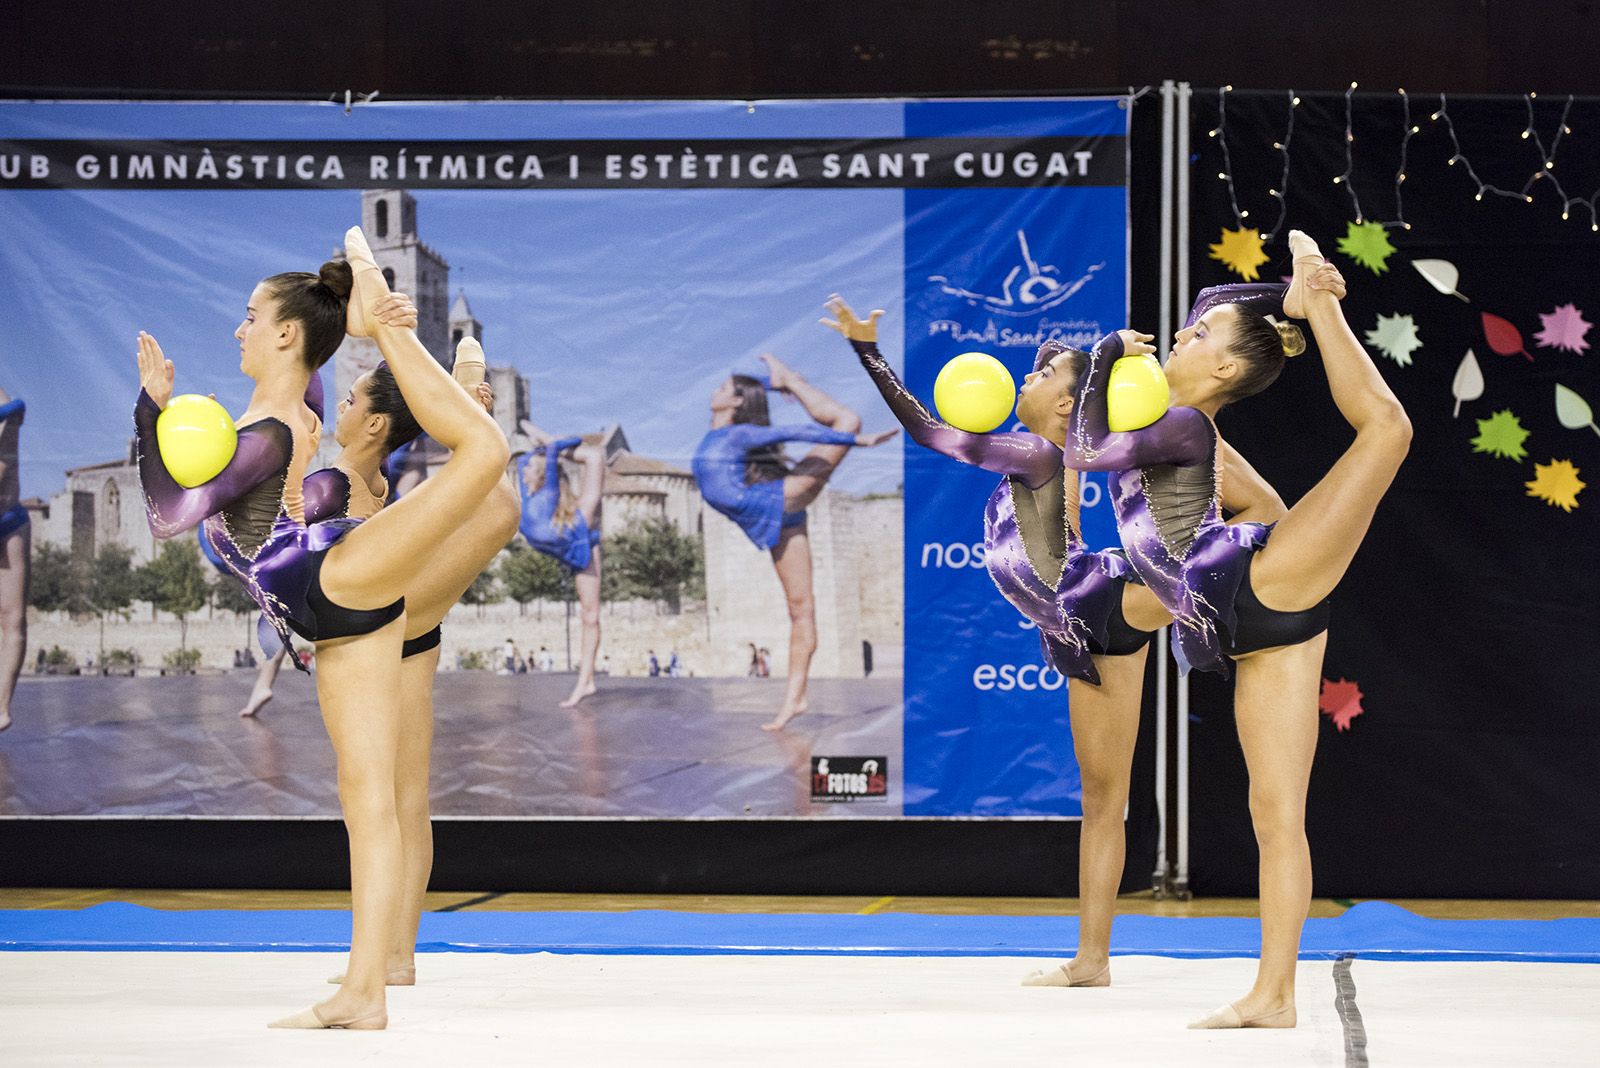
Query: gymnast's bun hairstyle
[(1263, 344), (317, 302)]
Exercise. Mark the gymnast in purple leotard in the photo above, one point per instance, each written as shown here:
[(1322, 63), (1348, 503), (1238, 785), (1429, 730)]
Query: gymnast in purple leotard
[(566, 526), (1236, 593), (742, 473), (1093, 625), (354, 587)]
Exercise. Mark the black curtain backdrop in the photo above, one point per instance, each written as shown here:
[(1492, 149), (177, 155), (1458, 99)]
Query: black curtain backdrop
[(1470, 619)]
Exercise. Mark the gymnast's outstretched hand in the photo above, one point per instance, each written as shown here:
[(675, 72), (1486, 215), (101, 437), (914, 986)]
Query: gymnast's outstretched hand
[(844, 320), (155, 371), (867, 441)]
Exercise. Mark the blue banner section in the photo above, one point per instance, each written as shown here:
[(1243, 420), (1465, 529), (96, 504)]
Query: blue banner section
[(997, 271)]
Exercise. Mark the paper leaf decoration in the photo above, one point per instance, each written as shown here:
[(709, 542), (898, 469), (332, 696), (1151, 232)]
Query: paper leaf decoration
[(1501, 435), (1573, 411), (1340, 701), (1368, 244), (1564, 328), (1396, 337), (1504, 338), (1241, 252), (1441, 275), (1556, 483), (1468, 384)]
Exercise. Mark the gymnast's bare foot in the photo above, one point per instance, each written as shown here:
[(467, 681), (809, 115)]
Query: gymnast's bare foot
[(787, 713), (579, 692), (258, 700), (5, 720)]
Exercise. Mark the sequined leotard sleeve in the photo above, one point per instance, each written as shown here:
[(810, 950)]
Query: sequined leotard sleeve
[(1182, 436), (573, 545), (263, 452), (1027, 456), (1168, 501), (1031, 551)]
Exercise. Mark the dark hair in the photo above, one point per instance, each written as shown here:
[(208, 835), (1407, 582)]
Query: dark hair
[(766, 464), (317, 302), (1263, 346), (384, 398), (1077, 360)]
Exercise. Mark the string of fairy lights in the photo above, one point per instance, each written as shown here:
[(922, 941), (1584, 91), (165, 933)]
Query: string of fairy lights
[(1544, 172)]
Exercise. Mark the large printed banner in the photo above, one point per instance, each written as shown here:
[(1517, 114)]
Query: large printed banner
[(619, 263)]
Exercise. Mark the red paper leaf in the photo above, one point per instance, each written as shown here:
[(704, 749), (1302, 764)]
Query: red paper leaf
[(1340, 701), (1504, 338)]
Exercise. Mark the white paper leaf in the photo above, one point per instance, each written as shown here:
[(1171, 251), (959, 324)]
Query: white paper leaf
[(1573, 411), (1441, 275), (1468, 384)]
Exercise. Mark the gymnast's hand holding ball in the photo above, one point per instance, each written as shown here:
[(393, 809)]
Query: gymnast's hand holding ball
[(195, 434), (1136, 395)]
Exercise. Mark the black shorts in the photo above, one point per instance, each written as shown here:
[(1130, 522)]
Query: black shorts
[(329, 620), (1258, 627), (1122, 638)]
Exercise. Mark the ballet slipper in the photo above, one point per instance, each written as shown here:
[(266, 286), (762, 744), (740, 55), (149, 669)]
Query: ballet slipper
[(312, 1020), (470, 368), (1307, 258), (1228, 1018), (1062, 976), (369, 287), (398, 977)]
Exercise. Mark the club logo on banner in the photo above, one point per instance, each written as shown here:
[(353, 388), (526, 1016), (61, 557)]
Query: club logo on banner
[(849, 778)]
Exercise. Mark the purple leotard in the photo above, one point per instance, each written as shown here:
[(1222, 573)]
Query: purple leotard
[(574, 544), (1167, 495), (1036, 559), (719, 470), (255, 518)]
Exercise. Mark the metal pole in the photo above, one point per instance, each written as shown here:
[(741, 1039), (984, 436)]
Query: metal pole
[(1159, 878), (1181, 312)]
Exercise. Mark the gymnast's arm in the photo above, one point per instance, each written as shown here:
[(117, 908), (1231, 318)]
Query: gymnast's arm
[(263, 451), (1246, 496), (327, 494), (1030, 457), (1266, 297), (1182, 436)]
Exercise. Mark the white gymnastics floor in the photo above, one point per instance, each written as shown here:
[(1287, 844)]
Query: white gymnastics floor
[(211, 1009)]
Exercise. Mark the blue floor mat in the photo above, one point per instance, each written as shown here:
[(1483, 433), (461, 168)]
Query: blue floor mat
[(1371, 930)]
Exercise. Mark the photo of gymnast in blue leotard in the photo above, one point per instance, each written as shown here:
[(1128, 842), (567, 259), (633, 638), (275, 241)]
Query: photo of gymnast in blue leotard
[(742, 473)]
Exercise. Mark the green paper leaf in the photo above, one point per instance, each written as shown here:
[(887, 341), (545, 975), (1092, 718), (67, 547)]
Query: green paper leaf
[(1572, 410), (1501, 435), (1396, 337), (1368, 244)]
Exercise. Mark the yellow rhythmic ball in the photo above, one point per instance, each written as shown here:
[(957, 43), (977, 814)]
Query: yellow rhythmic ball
[(196, 437), (1137, 393), (974, 392)]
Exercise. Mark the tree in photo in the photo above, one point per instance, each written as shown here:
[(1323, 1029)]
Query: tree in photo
[(484, 590), (176, 584), (530, 576), (112, 587), (656, 561), (56, 582)]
